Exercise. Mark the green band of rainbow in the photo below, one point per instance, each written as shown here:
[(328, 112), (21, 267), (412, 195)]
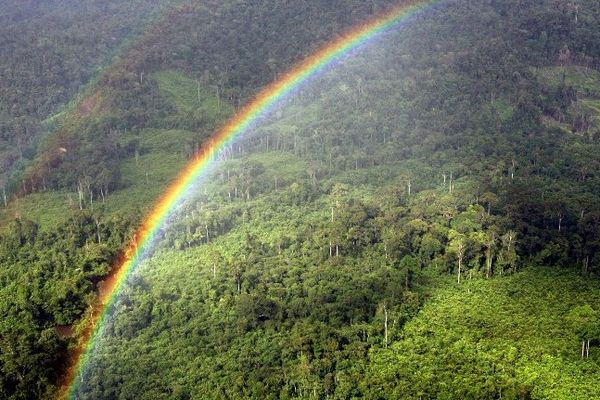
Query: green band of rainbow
[(239, 124)]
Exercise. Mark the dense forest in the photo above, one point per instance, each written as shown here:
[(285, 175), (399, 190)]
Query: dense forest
[(49, 51), (422, 220)]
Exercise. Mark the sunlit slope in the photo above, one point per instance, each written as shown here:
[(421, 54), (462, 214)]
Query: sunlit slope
[(154, 159), (242, 298), (301, 258), (513, 337), (579, 111), (395, 168)]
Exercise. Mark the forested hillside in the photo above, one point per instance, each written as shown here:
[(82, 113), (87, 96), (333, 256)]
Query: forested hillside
[(420, 221), (204, 41), (49, 51)]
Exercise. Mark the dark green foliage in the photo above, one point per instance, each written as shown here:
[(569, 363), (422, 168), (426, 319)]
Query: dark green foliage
[(224, 47), (46, 281), (462, 148), (49, 50)]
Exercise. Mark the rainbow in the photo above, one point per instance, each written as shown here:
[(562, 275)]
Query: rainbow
[(240, 123)]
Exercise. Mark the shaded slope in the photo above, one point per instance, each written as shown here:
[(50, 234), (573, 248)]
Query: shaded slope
[(49, 50), (226, 47)]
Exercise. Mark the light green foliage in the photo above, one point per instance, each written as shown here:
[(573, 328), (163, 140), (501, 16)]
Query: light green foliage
[(49, 210), (144, 181), (585, 322), (486, 339), (196, 103), (585, 80), (502, 109), (577, 92), (287, 166)]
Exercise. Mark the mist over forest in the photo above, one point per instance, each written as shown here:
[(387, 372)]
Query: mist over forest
[(420, 219)]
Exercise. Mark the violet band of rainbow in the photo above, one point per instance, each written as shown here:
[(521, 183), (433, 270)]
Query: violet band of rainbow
[(240, 123)]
